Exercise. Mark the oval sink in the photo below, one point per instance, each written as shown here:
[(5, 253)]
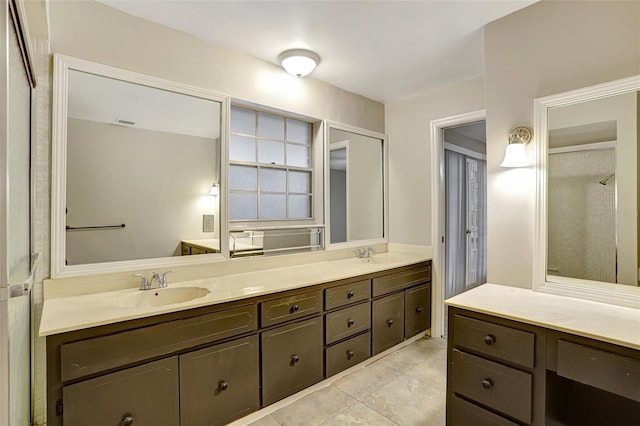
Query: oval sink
[(161, 297)]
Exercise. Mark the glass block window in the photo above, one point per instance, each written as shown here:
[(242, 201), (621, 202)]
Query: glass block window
[(270, 167)]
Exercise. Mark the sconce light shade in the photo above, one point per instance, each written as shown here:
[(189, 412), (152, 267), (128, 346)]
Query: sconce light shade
[(299, 62), (516, 155), (213, 190)]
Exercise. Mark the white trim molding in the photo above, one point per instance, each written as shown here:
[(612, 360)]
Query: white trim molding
[(623, 295)]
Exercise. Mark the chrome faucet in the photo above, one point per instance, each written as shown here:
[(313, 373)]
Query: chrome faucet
[(146, 284), (364, 253)]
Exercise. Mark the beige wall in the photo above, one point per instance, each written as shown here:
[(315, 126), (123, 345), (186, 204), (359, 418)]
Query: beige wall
[(547, 48), (90, 30), (408, 130)]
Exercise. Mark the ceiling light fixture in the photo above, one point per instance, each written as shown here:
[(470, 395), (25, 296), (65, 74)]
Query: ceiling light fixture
[(299, 62), (516, 155)]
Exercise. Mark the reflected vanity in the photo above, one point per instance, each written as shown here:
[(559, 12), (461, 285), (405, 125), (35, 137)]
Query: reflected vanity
[(587, 231), (135, 158)]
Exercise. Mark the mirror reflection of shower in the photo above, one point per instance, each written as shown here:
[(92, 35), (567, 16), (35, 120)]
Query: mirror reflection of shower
[(607, 179)]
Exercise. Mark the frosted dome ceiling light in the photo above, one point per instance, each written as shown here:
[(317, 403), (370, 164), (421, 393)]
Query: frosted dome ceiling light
[(299, 62)]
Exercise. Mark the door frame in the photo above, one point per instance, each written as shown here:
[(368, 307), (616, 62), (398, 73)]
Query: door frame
[(438, 211)]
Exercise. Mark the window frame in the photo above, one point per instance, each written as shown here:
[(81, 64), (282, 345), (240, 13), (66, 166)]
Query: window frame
[(315, 169)]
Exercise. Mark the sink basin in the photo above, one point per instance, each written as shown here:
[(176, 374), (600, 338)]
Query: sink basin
[(383, 258), (160, 297)]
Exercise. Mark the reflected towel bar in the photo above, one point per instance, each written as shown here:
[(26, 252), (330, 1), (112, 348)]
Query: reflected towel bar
[(84, 228)]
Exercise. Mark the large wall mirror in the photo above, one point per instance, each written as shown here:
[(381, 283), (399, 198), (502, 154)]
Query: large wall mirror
[(587, 230), (136, 169), (356, 183)]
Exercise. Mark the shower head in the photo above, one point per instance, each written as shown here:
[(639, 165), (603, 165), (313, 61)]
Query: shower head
[(606, 180)]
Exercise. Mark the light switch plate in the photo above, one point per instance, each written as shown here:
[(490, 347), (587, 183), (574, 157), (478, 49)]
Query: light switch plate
[(208, 223)]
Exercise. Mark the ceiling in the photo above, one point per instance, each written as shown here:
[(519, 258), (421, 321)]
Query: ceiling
[(384, 50)]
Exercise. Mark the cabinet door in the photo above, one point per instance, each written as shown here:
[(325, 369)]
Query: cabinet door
[(144, 395), (417, 313), (291, 359), (220, 384), (388, 322)]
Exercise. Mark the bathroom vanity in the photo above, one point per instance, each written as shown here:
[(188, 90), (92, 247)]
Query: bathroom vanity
[(517, 357), (214, 363)]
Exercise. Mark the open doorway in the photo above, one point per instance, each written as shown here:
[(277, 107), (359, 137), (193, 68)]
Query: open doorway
[(465, 182), (459, 205)]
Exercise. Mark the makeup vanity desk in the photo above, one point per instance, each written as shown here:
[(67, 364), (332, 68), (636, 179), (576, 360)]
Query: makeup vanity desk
[(519, 357)]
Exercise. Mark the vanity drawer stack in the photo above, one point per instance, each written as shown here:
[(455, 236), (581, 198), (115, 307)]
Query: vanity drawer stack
[(491, 371), (347, 325)]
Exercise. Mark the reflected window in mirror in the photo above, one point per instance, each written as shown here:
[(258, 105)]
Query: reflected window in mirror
[(356, 185), (135, 159)]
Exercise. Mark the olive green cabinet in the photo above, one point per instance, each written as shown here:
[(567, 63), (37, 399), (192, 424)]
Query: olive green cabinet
[(143, 395), (220, 384), (212, 365), (291, 359)]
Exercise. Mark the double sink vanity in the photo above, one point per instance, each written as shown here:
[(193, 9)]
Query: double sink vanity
[(212, 350)]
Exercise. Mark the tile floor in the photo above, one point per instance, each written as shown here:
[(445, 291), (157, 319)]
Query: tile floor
[(406, 387)]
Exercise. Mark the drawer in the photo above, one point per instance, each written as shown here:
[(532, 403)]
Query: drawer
[(148, 394), (604, 370), (291, 359), (346, 354), (464, 413), (220, 383), (387, 322), (347, 322), (348, 293), (417, 310), (185, 249), (503, 343), (87, 357), (401, 280), (289, 308), (494, 385)]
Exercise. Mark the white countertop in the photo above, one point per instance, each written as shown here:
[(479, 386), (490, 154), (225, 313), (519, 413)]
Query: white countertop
[(63, 314), (609, 323)]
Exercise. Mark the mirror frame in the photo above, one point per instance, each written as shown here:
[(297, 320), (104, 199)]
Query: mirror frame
[(617, 294), (62, 65), (385, 186)]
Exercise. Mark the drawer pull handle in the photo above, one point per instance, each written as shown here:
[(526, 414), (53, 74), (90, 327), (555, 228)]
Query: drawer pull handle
[(489, 339), (223, 386), (350, 354), (487, 384), (295, 359), (389, 323), (350, 322), (419, 309), (295, 308), (127, 421), (350, 295)]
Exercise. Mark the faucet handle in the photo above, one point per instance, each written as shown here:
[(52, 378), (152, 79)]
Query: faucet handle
[(163, 278), (144, 281), (371, 250)]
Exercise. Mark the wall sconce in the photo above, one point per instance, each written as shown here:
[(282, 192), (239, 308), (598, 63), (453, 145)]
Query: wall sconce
[(516, 155), (214, 190), (299, 62)]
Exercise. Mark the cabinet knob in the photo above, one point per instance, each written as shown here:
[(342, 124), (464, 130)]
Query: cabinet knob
[(223, 386), (419, 309), (389, 323), (487, 384), (350, 322), (350, 295), (127, 421), (295, 359), (350, 354), (295, 308), (489, 339)]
